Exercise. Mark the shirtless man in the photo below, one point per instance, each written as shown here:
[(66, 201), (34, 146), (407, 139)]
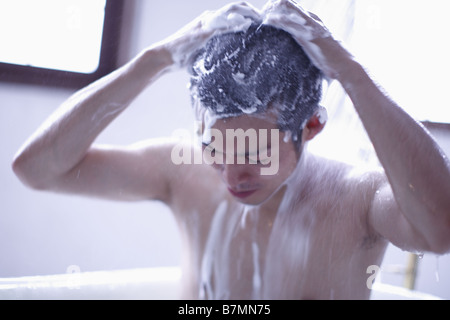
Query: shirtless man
[(308, 231)]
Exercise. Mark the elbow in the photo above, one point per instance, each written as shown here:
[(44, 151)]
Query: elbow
[(26, 173), (19, 167), (434, 227), (439, 242), (440, 248), (442, 232), (443, 243)]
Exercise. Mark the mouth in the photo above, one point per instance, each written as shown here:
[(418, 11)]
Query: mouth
[(241, 195)]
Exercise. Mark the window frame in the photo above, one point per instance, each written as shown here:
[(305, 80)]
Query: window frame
[(68, 79)]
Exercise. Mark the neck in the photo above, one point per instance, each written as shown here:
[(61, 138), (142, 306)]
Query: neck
[(297, 183), (270, 207)]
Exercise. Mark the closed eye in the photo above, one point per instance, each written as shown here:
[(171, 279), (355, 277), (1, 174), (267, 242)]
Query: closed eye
[(258, 158), (253, 158), (209, 148)]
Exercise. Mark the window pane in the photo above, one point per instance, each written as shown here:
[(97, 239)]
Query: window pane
[(404, 43), (53, 34)]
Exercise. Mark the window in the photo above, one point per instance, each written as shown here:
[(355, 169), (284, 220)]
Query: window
[(58, 42), (404, 45)]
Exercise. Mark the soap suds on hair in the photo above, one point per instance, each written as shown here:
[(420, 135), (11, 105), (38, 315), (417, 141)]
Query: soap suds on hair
[(255, 71)]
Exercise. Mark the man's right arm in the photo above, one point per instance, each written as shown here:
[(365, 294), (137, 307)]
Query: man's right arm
[(59, 156)]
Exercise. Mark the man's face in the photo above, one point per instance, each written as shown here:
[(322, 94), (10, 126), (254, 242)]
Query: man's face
[(251, 155)]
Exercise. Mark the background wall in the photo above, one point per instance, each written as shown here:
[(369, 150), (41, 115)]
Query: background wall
[(43, 233)]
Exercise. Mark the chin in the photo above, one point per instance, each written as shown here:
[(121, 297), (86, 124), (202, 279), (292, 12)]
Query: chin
[(256, 199)]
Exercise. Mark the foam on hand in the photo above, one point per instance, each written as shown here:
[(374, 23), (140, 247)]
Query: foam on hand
[(302, 26), (233, 22), (296, 23), (232, 18)]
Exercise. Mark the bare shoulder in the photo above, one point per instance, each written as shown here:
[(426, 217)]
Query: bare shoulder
[(365, 183), (368, 178), (362, 178), (347, 192)]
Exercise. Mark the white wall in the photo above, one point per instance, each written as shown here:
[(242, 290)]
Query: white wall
[(43, 233)]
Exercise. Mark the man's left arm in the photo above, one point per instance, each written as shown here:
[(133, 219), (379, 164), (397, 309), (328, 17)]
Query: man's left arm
[(417, 170), (411, 206)]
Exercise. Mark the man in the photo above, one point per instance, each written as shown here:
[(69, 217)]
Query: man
[(309, 229)]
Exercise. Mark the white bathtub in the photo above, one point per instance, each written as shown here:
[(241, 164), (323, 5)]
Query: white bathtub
[(140, 284)]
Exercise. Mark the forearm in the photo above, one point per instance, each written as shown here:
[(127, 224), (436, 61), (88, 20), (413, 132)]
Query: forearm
[(62, 141), (417, 169)]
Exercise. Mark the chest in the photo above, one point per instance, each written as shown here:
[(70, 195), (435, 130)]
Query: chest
[(297, 254)]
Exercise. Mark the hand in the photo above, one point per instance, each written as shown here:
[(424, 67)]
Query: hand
[(325, 52), (231, 18)]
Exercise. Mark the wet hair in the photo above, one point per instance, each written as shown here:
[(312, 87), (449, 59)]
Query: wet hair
[(253, 71)]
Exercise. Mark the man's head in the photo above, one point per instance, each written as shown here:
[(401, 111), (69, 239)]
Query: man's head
[(256, 79), (262, 70)]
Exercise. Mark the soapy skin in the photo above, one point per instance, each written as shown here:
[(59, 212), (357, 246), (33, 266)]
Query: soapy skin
[(312, 231)]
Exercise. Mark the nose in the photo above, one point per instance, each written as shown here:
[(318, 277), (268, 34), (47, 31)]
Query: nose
[(236, 176)]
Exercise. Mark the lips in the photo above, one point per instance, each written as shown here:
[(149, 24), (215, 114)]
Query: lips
[(241, 195)]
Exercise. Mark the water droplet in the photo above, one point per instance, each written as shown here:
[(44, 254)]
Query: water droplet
[(436, 272)]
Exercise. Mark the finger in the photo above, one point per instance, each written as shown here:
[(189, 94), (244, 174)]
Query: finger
[(315, 17), (272, 5), (292, 8), (245, 9), (305, 14)]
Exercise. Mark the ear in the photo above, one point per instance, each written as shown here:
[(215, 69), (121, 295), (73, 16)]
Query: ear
[(313, 127)]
